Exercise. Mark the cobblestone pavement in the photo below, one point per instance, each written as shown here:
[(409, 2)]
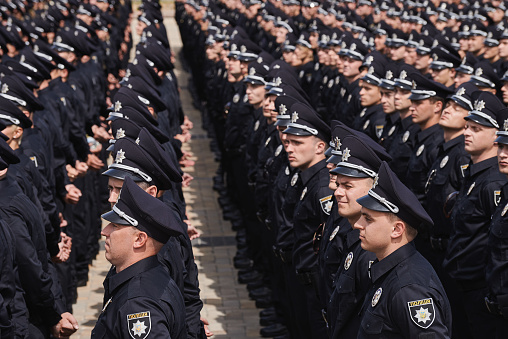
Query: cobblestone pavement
[(226, 304)]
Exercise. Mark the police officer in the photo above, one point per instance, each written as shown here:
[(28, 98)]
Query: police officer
[(140, 297), (406, 299), (477, 200)]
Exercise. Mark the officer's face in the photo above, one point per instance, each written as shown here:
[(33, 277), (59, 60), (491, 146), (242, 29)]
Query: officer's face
[(478, 139), (444, 76), (369, 94), (491, 52), (269, 107), (140, 27), (302, 150), (503, 48), (397, 53), (119, 241), (453, 116), (348, 190), (410, 56), (333, 177), (475, 43), (461, 78), (234, 67), (423, 112), (401, 99), (281, 34), (422, 62), (351, 67), (256, 94), (379, 42), (375, 231), (502, 158), (504, 89), (114, 187), (388, 100)]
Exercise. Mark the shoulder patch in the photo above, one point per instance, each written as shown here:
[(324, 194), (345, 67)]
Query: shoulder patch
[(139, 324), (463, 168), (422, 312), (34, 159), (497, 197), (326, 204)]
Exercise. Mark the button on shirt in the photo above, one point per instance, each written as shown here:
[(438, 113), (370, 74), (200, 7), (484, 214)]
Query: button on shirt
[(141, 299), (406, 299)]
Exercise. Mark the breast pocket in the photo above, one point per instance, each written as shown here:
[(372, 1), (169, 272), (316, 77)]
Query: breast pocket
[(372, 325), (498, 240)]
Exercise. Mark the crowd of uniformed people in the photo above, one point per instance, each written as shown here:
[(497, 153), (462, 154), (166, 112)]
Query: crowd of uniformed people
[(363, 160), (76, 91)]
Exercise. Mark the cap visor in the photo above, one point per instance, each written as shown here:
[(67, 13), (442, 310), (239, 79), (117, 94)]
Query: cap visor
[(502, 139), (334, 159), (372, 204), (297, 131), (282, 122), (349, 172), (328, 151), (119, 174), (479, 120), (111, 216), (416, 97)]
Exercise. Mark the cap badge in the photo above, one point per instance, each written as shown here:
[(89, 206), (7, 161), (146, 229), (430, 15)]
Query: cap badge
[(369, 60), (461, 91), (294, 117), (120, 133), (346, 154), (479, 105), (376, 181), (444, 162), (277, 81), (252, 71), (348, 261), (505, 125), (403, 75), (377, 296), (371, 70), (5, 88), (414, 85), (243, 49), (352, 48), (120, 156), (282, 109), (137, 141), (118, 106), (478, 72), (389, 75), (434, 57), (337, 143), (259, 60)]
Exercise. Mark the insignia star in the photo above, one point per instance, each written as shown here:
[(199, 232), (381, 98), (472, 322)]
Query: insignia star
[(252, 71), (282, 109), (120, 133), (414, 84), (403, 75), (479, 105), (346, 154), (478, 72), (423, 315), (389, 75), (374, 184), (328, 205), (369, 60), (337, 144), (371, 70), (139, 328), (505, 125), (277, 81), (353, 47), (137, 141), (118, 106), (461, 91), (5, 88), (294, 117), (120, 156)]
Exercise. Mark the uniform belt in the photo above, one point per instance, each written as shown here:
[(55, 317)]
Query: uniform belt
[(493, 307), (439, 244)]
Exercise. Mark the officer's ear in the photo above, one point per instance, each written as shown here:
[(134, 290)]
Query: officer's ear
[(152, 190), (320, 146), (399, 228), (140, 240)]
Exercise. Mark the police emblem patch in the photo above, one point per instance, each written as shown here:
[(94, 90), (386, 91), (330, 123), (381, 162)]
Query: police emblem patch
[(348, 261), (497, 197), (294, 179), (278, 150), (390, 132), (256, 125), (422, 312), (377, 296), (326, 204), (236, 98), (463, 168), (405, 136), (139, 324), (444, 162), (419, 151), (303, 193), (379, 130)]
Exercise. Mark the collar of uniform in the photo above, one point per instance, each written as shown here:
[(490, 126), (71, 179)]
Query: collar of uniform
[(429, 132), (392, 118), (373, 109), (141, 266), (353, 86), (311, 171), (482, 166), (352, 236), (454, 142), (406, 122), (380, 268)]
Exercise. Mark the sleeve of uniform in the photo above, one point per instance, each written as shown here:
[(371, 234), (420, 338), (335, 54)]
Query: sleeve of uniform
[(36, 283), (420, 312), (144, 318)]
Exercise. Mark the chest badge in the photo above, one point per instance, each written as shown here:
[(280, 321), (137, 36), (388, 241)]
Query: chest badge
[(256, 126), (303, 193), (287, 170), (470, 188), (504, 210), (336, 230), (348, 261), (236, 98), (405, 136), (419, 151), (245, 98), (390, 132), (268, 141), (139, 324), (294, 179), (366, 124), (377, 296), (362, 113), (422, 312), (444, 162), (278, 150)]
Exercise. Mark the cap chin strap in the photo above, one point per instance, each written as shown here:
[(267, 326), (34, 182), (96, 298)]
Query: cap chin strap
[(305, 128), (135, 170), (360, 168), (9, 118), (125, 217), (392, 207), (486, 116), (13, 98)]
